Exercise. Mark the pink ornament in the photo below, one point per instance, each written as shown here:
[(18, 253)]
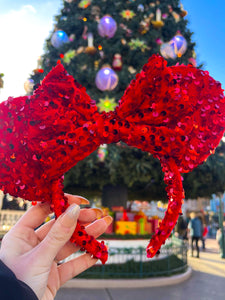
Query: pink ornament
[(106, 79), (107, 27)]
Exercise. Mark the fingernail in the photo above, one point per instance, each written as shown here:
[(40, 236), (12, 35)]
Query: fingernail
[(98, 212), (83, 200), (70, 215), (108, 220)]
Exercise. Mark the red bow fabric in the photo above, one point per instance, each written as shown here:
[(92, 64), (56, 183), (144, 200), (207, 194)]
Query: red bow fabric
[(175, 113)]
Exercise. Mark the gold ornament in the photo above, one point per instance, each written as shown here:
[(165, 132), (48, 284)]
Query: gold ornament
[(183, 12), (96, 64)]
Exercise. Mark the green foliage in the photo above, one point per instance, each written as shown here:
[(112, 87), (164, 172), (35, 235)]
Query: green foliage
[(139, 171), (208, 178), (132, 269), (83, 66)]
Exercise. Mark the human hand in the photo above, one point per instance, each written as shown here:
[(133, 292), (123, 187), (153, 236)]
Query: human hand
[(33, 254)]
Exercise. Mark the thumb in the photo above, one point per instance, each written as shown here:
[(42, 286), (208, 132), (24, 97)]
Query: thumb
[(59, 234)]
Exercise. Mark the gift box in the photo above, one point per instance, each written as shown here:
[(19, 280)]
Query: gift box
[(122, 227), (143, 227), (119, 216)]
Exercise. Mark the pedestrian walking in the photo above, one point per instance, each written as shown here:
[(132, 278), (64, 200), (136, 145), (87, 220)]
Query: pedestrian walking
[(195, 231)]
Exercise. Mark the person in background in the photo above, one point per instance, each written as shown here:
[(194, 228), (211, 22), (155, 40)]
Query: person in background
[(219, 238), (181, 228), (204, 235), (195, 231)]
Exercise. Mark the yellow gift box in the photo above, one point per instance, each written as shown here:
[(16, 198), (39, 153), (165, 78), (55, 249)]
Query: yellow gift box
[(125, 227)]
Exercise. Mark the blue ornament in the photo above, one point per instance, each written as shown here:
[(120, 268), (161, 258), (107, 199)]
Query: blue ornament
[(106, 79), (179, 45), (141, 8), (59, 38)]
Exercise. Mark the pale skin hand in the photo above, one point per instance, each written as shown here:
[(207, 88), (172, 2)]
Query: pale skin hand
[(33, 254)]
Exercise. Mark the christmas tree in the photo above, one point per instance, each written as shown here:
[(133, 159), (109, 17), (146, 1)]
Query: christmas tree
[(104, 44)]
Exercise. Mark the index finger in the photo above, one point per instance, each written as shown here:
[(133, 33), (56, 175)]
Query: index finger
[(37, 214)]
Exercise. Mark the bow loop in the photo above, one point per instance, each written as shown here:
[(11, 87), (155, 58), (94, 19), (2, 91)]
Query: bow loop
[(175, 112)]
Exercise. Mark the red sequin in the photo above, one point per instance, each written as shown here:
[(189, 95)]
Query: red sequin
[(175, 113)]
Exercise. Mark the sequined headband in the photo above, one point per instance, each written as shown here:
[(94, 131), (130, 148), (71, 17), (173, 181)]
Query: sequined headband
[(175, 113)]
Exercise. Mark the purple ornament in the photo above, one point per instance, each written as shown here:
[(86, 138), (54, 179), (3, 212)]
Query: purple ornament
[(107, 27), (106, 79), (179, 45)]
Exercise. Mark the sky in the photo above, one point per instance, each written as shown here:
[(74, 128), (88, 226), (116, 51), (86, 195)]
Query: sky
[(25, 24)]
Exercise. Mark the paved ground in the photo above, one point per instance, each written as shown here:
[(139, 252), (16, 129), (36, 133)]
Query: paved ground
[(206, 283)]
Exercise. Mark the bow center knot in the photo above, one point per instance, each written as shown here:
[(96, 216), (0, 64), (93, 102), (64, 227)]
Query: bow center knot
[(110, 128)]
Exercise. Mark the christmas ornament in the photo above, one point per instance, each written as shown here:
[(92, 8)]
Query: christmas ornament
[(28, 85), (135, 44), (127, 14), (179, 44), (38, 71), (102, 152), (68, 56), (96, 64), (80, 50), (84, 33), (106, 79), (63, 18), (158, 23), (183, 12), (95, 11), (59, 38), (72, 37), (141, 8), (167, 51), (159, 41), (117, 62), (128, 30), (175, 113), (144, 26), (107, 104), (192, 61), (84, 3), (107, 27), (165, 16), (174, 14), (90, 48), (131, 70)]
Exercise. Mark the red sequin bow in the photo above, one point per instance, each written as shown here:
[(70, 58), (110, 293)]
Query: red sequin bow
[(175, 113)]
